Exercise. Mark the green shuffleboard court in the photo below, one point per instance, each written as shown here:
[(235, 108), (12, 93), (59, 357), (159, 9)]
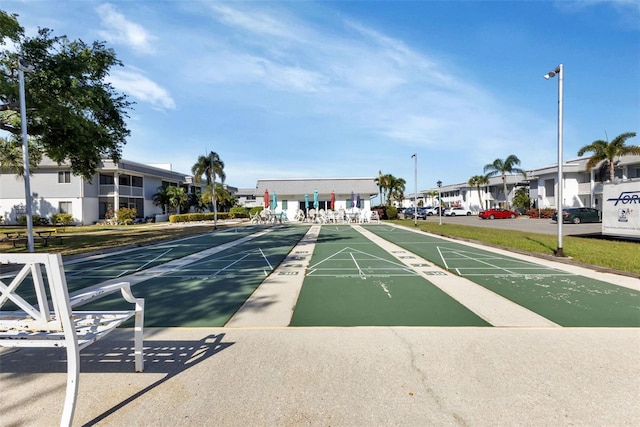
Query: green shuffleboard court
[(207, 292), (351, 281), (564, 298), (118, 264)]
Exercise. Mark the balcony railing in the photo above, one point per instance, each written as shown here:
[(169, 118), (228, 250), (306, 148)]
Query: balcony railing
[(585, 188), (124, 190)]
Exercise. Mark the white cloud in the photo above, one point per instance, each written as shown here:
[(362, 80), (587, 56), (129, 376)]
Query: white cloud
[(258, 22), (140, 87), (120, 30)]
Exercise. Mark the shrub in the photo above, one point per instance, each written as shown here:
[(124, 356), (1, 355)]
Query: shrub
[(198, 216), (35, 220), (545, 213), (127, 215), (239, 210), (391, 212), (62, 219), (254, 210)]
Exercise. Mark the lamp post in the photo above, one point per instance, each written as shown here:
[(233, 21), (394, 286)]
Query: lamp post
[(22, 67), (213, 192), (560, 72), (439, 202), (415, 194)]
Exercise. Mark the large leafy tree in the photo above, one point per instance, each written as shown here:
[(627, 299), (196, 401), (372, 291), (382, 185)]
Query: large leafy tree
[(503, 167), (11, 155), (608, 151), (73, 114), (478, 181)]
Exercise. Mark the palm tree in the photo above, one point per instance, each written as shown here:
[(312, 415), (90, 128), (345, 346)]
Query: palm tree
[(177, 196), (608, 151), (477, 181), (161, 198), (378, 182), (502, 168), (433, 195), (396, 189), (210, 166), (384, 184)]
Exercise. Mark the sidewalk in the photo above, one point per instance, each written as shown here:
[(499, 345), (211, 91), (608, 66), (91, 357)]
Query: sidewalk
[(339, 377)]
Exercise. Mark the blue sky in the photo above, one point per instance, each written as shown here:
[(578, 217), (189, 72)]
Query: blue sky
[(302, 89)]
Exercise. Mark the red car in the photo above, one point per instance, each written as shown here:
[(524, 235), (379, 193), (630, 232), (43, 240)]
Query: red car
[(497, 213)]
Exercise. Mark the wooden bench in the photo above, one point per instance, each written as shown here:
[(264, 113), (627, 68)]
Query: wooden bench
[(48, 317)]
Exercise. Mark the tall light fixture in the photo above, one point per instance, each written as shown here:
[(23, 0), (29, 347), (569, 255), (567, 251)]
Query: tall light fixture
[(560, 73), (415, 195), (213, 193), (439, 183), (22, 67)]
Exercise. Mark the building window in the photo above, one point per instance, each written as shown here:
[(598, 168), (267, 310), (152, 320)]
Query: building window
[(124, 180), (64, 207), (549, 187), (106, 179), (64, 177), (136, 181)]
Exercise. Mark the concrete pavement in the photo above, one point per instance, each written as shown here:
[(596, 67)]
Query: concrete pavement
[(362, 376)]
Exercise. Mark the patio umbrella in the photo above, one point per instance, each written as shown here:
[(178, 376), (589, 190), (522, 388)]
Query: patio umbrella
[(274, 201), (333, 200), (306, 202), (358, 201), (315, 199), (352, 202), (266, 199)]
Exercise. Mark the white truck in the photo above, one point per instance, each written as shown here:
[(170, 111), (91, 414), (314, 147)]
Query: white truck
[(621, 208)]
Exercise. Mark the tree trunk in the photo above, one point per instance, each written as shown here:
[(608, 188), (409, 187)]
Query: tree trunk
[(504, 186), (612, 170)]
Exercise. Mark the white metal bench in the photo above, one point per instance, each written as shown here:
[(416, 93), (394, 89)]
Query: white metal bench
[(50, 319)]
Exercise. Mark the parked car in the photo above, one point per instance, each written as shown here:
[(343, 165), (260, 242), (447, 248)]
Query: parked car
[(410, 212), (431, 210), (456, 211), (497, 213), (578, 215)]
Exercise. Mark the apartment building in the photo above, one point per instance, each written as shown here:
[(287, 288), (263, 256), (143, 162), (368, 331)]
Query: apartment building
[(55, 189)]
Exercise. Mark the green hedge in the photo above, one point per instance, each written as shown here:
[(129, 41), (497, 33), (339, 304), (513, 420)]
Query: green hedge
[(191, 217)]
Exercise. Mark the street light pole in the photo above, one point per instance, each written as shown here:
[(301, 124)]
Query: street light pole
[(213, 192), (415, 194), (25, 152), (559, 70), (439, 202)]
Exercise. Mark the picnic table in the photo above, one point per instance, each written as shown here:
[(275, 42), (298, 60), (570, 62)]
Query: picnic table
[(43, 235)]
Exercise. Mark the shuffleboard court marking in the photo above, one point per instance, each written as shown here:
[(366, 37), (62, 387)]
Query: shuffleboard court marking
[(280, 289), (376, 266), (360, 272), (268, 263), (485, 267), (174, 265), (494, 308)]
